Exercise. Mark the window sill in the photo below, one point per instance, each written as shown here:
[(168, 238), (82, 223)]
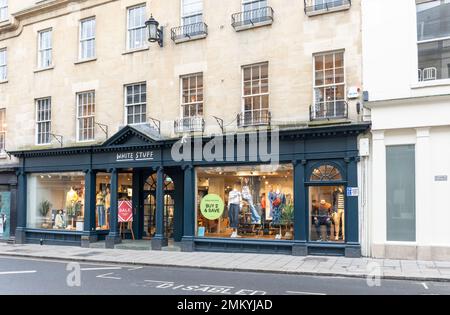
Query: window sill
[(85, 60), (3, 156), (3, 81), (44, 69), (433, 83), (132, 51)]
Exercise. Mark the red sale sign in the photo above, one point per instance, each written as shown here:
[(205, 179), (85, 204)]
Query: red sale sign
[(125, 211)]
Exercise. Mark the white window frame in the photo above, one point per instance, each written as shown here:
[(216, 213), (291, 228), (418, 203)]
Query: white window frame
[(196, 103), (85, 116), (134, 105), (40, 122), (335, 85), (87, 39), (135, 28), (260, 95), (432, 40), (185, 16), (4, 11), (42, 50), (3, 127), (4, 66)]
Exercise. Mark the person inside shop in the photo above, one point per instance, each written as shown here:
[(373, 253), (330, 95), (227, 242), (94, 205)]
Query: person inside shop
[(323, 217), (234, 207)]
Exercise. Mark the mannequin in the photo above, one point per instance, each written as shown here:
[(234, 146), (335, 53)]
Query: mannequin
[(100, 209), (338, 206), (234, 206), (323, 218), (278, 204), (71, 197), (107, 206), (271, 197), (59, 221), (246, 196)]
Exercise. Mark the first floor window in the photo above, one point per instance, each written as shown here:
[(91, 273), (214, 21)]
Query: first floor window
[(327, 4), (3, 10), (254, 10), (45, 49), (43, 120), (3, 65), (86, 116), (192, 95), (137, 31), (401, 193), (136, 103), (56, 201), (255, 93), (329, 85), (249, 201), (433, 36), (2, 129)]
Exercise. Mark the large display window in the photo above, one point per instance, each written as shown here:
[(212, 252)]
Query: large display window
[(56, 201), (327, 205), (245, 202)]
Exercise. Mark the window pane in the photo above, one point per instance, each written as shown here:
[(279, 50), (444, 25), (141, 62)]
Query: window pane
[(401, 193), (55, 201), (327, 213), (252, 196), (434, 60), (433, 19)]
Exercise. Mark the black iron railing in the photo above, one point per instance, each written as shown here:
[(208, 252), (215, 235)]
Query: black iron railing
[(329, 110), (187, 32), (252, 17), (189, 124), (259, 117), (311, 7)]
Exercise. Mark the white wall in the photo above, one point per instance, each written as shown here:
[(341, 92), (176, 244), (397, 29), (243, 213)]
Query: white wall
[(390, 56)]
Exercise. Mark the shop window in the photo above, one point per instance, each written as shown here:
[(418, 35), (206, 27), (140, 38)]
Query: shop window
[(56, 201), (5, 212), (327, 213), (255, 202), (103, 196)]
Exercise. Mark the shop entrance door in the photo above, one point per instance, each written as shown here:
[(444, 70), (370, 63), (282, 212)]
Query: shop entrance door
[(149, 203)]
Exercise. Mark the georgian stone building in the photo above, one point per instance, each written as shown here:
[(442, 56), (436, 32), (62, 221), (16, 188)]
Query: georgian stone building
[(90, 111)]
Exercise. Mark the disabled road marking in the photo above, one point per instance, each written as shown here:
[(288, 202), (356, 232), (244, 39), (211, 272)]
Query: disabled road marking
[(206, 288)]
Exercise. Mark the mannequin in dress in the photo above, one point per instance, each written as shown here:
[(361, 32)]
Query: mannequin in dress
[(59, 221), (100, 205), (278, 204), (71, 197), (107, 206)]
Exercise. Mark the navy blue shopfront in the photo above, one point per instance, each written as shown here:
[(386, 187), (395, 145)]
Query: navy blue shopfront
[(149, 164)]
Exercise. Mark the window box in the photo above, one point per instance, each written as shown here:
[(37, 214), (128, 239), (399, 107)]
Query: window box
[(252, 18), (189, 32), (317, 7)]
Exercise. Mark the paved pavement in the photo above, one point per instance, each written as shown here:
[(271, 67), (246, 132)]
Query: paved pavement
[(284, 264), (40, 276)]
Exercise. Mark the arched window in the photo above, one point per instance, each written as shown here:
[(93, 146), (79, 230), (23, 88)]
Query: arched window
[(150, 183), (326, 173)]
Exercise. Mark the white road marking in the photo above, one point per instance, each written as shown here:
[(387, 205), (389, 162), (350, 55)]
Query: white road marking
[(215, 285), (16, 272), (106, 276), (135, 268), (304, 293), (100, 268), (425, 286)]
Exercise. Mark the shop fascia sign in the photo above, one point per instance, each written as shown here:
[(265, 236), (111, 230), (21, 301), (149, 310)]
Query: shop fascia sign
[(135, 156)]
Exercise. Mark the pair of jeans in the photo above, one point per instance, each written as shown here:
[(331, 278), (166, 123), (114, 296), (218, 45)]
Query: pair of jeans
[(323, 221), (101, 211), (233, 215), (256, 218)]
